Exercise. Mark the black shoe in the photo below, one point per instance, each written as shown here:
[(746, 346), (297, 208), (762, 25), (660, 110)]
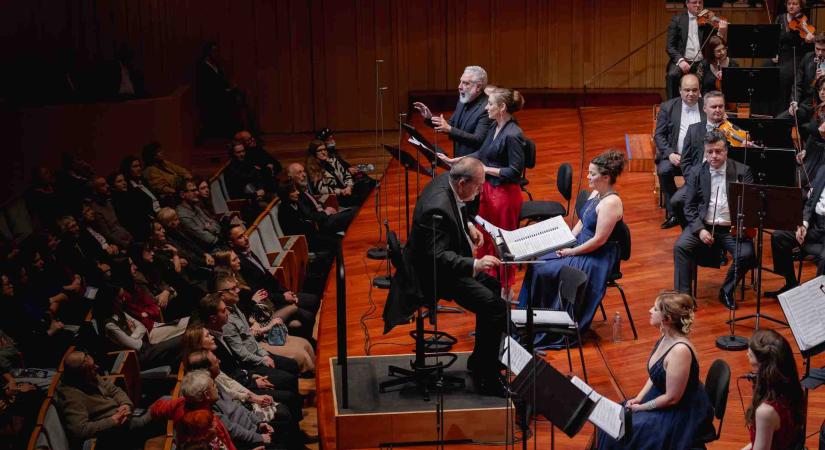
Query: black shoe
[(727, 300), (491, 384), (669, 223), (785, 288)]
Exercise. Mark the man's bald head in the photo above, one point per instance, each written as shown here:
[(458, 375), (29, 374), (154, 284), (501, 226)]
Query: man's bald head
[(74, 360), (241, 135), (467, 177), (689, 89)]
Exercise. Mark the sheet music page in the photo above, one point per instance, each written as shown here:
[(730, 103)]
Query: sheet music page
[(607, 415), (488, 227), (519, 356), (804, 307), (542, 317), (417, 143), (539, 238)]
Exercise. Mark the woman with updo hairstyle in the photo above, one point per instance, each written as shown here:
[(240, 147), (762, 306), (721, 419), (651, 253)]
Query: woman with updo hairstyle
[(672, 411), (502, 154), (596, 251), (775, 415)]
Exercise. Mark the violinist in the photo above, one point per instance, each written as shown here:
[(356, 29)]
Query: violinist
[(716, 58), (811, 67), (685, 38), (813, 155), (793, 44)]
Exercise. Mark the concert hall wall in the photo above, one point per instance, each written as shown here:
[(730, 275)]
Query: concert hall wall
[(311, 63)]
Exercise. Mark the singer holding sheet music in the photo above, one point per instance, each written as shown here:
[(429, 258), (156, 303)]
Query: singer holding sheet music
[(502, 154), (442, 234), (672, 410), (775, 415), (595, 252)]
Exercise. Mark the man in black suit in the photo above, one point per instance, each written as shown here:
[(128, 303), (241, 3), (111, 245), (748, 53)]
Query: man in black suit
[(468, 125), (329, 220), (810, 237), (675, 116), (442, 234), (685, 38), (256, 274), (708, 216), (803, 91)]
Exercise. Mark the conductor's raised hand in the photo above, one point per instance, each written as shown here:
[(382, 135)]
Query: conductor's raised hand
[(423, 109), (477, 237), (441, 124)]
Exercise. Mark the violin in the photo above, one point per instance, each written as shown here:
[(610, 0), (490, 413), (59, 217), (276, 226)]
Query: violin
[(708, 17), (800, 25), (736, 136)]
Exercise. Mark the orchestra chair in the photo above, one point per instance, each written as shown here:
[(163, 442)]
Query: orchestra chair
[(572, 289), (808, 252), (422, 375), (717, 382), (529, 148), (708, 257), (536, 211)]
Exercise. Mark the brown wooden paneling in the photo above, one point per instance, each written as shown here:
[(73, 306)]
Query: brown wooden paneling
[(308, 64)]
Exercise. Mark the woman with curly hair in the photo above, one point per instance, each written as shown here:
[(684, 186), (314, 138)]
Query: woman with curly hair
[(775, 415), (672, 410)]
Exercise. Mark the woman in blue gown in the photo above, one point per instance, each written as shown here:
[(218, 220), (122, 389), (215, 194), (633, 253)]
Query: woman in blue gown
[(672, 409), (594, 253)]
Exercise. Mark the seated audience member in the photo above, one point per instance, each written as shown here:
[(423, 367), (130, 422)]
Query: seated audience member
[(73, 182), (808, 237), (161, 174), (194, 222), (238, 332), (196, 426), (156, 272), (88, 220), (205, 197), (595, 252), (329, 219), (281, 382), (707, 211), (157, 347), (672, 409), (185, 245), (91, 407), (245, 427), (256, 274), (106, 220), (19, 401), (245, 180), (142, 204), (50, 287), (294, 220), (43, 200), (776, 414), (78, 250), (330, 177), (328, 138), (257, 154)]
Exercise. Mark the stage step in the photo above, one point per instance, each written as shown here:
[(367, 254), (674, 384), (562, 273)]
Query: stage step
[(640, 152)]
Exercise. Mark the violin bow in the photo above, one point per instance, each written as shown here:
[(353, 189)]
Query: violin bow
[(798, 142), (715, 207)]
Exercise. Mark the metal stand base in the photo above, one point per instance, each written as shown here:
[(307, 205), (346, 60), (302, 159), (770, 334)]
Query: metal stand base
[(732, 343), (381, 282), (377, 253), (759, 316)]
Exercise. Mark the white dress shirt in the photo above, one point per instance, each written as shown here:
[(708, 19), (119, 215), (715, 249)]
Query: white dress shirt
[(690, 115), (693, 48), (820, 205), (718, 212)]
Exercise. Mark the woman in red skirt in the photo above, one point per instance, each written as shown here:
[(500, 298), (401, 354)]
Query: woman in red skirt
[(502, 154)]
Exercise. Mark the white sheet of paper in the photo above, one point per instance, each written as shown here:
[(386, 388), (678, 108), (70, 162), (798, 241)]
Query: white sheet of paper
[(542, 317), (518, 355), (488, 227), (607, 415), (804, 307)]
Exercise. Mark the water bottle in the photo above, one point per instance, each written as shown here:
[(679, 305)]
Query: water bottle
[(617, 328)]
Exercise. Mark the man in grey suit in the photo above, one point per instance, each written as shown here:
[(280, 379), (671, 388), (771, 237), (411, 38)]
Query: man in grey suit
[(468, 125), (675, 116)]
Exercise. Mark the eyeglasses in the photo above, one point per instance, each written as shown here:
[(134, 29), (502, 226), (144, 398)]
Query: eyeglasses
[(235, 288)]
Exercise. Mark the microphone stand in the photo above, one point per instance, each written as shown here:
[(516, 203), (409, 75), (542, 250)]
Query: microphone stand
[(439, 383), (379, 253), (732, 342)]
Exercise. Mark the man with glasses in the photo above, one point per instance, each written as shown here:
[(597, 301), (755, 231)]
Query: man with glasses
[(468, 125), (194, 221)]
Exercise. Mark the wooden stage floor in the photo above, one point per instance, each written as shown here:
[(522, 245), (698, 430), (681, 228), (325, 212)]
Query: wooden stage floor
[(616, 369)]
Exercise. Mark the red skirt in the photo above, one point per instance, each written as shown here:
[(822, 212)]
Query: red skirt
[(499, 205)]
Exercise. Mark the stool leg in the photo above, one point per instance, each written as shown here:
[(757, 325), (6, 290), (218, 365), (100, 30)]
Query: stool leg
[(627, 310)]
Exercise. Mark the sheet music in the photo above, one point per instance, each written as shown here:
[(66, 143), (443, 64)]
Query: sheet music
[(533, 240), (519, 356), (607, 415), (542, 317), (804, 307)]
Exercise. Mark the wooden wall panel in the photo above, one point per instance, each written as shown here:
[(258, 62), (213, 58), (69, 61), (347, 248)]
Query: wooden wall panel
[(311, 63)]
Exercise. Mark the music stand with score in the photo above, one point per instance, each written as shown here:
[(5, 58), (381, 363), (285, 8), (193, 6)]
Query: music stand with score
[(753, 41), (743, 84), (770, 166), (424, 146), (767, 132)]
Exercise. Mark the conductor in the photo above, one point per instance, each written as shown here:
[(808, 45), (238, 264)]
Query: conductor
[(442, 234)]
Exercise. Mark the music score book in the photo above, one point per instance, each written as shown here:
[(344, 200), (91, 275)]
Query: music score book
[(608, 415), (804, 307), (534, 240)]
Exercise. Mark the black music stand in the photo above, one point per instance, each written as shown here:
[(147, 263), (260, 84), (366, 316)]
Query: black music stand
[(743, 84), (770, 166), (753, 41), (775, 207), (427, 149), (767, 132), (408, 162)]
